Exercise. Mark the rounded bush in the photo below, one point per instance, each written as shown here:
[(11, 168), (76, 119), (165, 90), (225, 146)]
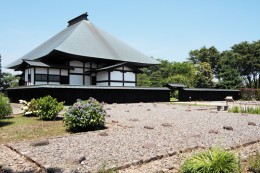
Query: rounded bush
[(212, 161), (5, 107), (85, 115), (48, 108)]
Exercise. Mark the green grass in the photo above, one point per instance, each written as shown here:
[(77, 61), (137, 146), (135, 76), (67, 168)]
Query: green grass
[(245, 109), (20, 128)]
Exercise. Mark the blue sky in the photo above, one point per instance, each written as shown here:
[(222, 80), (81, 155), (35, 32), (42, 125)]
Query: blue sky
[(166, 29)]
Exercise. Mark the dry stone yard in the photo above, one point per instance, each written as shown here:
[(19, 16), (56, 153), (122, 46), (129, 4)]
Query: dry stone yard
[(142, 137)]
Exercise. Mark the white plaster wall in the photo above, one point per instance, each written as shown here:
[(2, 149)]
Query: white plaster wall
[(76, 79), (64, 72), (54, 71), (77, 70), (76, 63), (40, 83), (130, 84), (87, 64), (119, 68), (116, 84), (40, 70), (129, 76), (116, 75), (103, 75), (127, 68), (102, 84), (87, 80), (26, 75), (32, 76)]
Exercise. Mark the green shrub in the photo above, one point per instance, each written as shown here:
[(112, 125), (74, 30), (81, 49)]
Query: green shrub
[(5, 107), (254, 163), (84, 115), (212, 161), (29, 108), (48, 108)]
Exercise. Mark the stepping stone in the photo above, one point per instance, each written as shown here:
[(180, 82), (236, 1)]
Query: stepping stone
[(39, 143), (251, 124), (103, 134), (134, 119), (149, 144), (114, 121), (213, 131), (228, 127), (76, 159), (149, 127), (166, 125)]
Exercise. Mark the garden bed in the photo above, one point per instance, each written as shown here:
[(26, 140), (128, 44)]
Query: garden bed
[(138, 132)]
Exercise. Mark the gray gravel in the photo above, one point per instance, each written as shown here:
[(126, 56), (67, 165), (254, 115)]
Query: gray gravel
[(186, 127)]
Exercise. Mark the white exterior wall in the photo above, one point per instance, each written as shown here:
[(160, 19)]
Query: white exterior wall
[(102, 84), (32, 76), (103, 75), (87, 80), (77, 70), (76, 79), (116, 84), (76, 63), (39, 70), (54, 71), (64, 72), (116, 75), (54, 83), (87, 64), (130, 84), (127, 68), (26, 75), (129, 76)]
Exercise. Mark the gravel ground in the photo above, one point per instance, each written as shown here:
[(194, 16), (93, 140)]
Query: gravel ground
[(169, 128)]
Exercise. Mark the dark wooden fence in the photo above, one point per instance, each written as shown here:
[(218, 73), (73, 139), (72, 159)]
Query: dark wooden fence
[(70, 94)]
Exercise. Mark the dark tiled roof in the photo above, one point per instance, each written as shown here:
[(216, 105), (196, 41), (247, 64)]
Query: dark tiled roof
[(85, 39)]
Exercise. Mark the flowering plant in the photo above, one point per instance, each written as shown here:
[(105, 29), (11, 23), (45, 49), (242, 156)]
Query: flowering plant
[(85, 115), (28, 108)]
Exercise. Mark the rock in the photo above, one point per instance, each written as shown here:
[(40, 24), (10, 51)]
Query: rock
[(108, 109), (251, 124), (134, 119), (127, 111), (103, 134), (213, 131), (148, 127), (39, 143), (114, 121), (76, 159), (166, 125), (228, 127), (149, 144), (188, 110), (148, 109), (6, 169), (213, 112)]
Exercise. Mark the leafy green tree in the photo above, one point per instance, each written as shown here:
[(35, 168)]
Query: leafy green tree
[(229, 75), (209, 55), (8, 80), (248, 62), (204, 76), (167, 72)]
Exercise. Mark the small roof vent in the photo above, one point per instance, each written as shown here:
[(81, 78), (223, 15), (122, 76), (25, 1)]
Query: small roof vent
[(78, 19)]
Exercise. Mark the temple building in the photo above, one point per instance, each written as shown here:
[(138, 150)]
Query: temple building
[(82, 54)]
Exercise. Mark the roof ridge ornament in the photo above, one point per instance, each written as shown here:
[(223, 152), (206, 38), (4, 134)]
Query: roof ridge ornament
[(84, 16)]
